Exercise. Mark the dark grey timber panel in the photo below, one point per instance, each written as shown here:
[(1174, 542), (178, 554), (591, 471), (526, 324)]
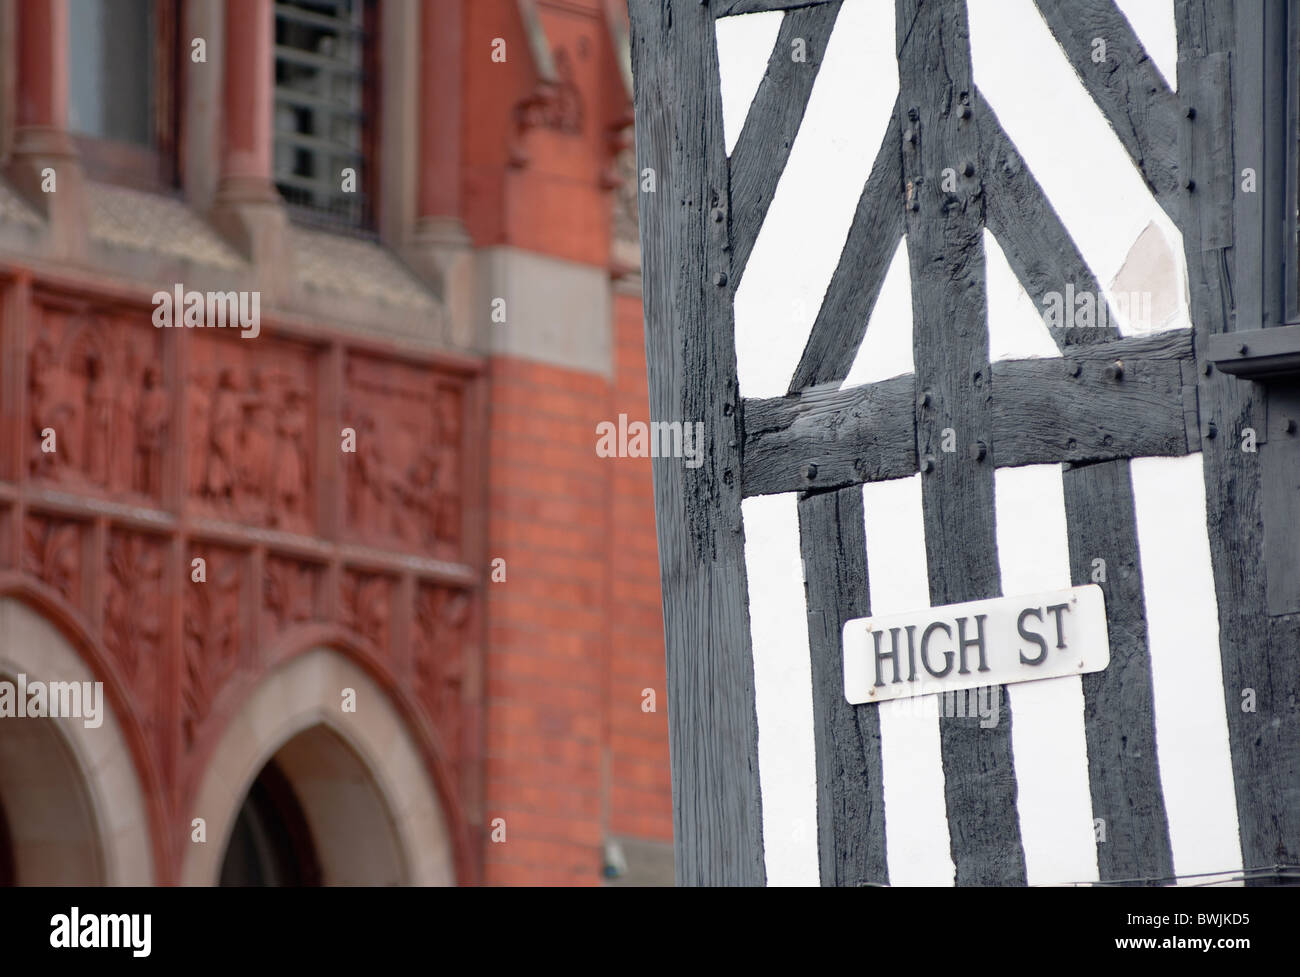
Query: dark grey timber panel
[(1042, 413), (851, 295), (1256, 353), (763, 146), (950, 349), (1280, 477), (1207, 162), (850, 791), (1076, 409), (690, 349), (863, 434), (1258, 652), (1029, 231), (726, 8), (1119, 716), (1127, 87), (1259, 135)]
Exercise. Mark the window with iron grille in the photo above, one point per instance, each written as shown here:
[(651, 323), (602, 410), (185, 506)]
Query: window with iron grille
[(323, 111)]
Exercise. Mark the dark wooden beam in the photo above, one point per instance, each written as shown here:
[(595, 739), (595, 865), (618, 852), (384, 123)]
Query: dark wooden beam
[(1258, 138), (1125, 408), (1126, 86), (726, 8), (1257, 650), (950, 348), (1257, 353), (1118, 715), (1031, 234), (1125, 401), (850, 785), (691, 353), (763, 147), (827, 438), (873, 237)]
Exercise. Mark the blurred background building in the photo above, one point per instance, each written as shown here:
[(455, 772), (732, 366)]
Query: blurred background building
[(435, 202)]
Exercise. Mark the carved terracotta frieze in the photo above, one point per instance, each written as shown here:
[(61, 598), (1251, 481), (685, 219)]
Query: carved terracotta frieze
[(251, 437), (404, 480), (98, 406), (212, 632)]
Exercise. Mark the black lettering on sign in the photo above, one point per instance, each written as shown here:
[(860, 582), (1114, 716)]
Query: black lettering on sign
[(977, 642), (1030, 636), (1060, 627), (925, 649), (880, 656)]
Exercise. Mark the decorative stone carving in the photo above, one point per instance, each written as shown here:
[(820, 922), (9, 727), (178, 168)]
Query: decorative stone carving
[(438, 645), (251, 459), (52, 552), (252, 415), (626, 184), (151, 426), (135, 616), (97, 384), (133, 602), (212, 634), (290, 591), (404, 481), (557, 105), (368, 606)]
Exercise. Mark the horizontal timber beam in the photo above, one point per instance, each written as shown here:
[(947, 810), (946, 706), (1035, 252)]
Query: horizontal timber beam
[(828, 438), (725, 8), (1123, 399)]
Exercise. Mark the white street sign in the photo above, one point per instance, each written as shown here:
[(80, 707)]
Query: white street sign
[(980, 643)]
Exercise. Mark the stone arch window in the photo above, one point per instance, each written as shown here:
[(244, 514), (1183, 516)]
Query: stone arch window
[(347, 792), (51, 835), (72, 804), (325, 110), (271, 843)]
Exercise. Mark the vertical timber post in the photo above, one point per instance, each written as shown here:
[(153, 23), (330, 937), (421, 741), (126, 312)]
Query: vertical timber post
[(945, 247), (690, 350), (1234, 287)]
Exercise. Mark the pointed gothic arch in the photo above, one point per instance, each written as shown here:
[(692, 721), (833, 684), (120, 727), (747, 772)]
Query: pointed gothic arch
[(356, 776), (76, 810)]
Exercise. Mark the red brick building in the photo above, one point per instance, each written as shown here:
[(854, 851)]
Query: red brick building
[(365, 603)]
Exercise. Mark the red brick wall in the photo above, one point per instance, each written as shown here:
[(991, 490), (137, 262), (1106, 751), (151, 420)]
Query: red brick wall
[(575, 632), (640, 789), (548, 625), (535, 186)]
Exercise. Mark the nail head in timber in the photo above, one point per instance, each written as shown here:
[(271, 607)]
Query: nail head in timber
[(999, 641)]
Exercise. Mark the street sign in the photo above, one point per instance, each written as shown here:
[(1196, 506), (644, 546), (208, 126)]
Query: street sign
[(975, 644)]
